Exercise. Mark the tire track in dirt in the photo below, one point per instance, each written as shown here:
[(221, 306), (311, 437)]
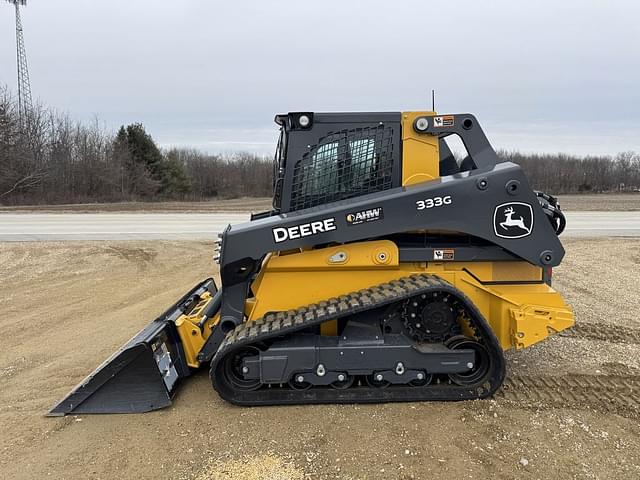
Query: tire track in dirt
[(610, 393), (604, 332)]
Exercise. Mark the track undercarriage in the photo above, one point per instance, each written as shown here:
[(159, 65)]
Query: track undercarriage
[(415, 338)]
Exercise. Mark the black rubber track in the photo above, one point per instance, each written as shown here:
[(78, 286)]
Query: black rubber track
[(285, 323)]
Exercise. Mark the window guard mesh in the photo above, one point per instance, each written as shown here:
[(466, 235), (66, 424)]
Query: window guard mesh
[(344, 164)]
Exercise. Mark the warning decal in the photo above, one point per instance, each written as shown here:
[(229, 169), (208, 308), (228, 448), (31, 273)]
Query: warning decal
[(444, 255), (444, 121)]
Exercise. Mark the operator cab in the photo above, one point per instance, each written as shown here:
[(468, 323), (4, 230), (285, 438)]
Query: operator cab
[(327, 157)]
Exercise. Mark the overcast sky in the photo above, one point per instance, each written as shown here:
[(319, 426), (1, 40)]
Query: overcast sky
[(540, 76)]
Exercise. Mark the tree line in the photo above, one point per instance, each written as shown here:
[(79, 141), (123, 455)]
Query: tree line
[(561, 174), (47, 158)]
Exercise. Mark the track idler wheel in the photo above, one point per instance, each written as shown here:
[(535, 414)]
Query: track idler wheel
[(481, 365), (232, 369)]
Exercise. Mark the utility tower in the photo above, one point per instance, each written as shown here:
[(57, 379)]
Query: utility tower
[(24, 87)]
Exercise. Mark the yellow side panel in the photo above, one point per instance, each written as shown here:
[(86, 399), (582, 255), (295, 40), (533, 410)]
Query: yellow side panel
[(519, 314), (420, 152), (293, 280), (516, 271)]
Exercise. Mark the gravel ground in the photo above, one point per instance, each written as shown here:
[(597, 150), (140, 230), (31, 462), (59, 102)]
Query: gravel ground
[(568, 410)]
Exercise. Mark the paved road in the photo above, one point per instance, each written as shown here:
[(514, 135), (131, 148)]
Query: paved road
[(602, 224), (175, 226), (114, 226)]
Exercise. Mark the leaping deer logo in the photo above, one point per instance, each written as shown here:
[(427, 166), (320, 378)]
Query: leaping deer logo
[(509, 221)]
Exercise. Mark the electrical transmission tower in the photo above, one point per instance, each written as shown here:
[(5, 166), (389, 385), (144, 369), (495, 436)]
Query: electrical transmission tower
[(24, 87)]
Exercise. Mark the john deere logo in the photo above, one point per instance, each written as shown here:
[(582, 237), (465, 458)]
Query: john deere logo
[(513, 220), (364, 216)]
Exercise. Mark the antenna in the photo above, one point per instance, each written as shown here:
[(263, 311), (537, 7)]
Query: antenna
[(24, 86), (433, 100)]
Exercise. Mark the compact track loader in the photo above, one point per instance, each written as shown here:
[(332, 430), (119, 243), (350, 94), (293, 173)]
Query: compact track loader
[(385, 271)]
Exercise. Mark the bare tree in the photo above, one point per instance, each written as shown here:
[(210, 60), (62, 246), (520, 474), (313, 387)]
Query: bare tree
[(19, 167), (560, 173)]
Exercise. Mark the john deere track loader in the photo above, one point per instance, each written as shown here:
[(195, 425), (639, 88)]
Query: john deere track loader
[(385, 271)]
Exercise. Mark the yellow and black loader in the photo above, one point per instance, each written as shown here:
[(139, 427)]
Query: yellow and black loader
[(386, 270)]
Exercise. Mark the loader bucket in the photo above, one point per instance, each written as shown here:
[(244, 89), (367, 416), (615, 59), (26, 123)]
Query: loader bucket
[(143, 374)]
